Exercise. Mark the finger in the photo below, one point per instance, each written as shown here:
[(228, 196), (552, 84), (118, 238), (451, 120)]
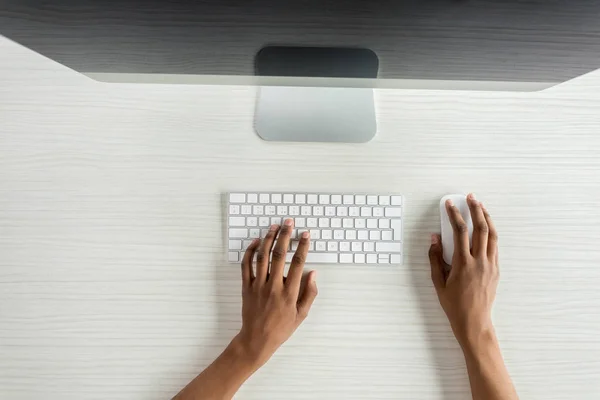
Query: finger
[(480, 227), (438, 266), (280, 250), (308, 295), (264, 255), (247, 273), (461, 231), (294, 277), (492, 247)]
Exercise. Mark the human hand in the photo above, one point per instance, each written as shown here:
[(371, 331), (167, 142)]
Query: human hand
[(273, 305), (467, 289)]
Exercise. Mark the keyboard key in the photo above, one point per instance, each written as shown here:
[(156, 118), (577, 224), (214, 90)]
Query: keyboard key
[(263, 221), (339, 234), (396, 225), (318, 211), (336, 222), (252, 221), (300, 222), (301, 231), (294, 210), (384, 200), (393, 212), (237, 221), (311, 246), (360, 223), (396, 259), (396, 201), (263, 233), (365, 211), (332, 246), (246, 209), (233, 210), (288, 198), (311, 222), (342, 211), (348, 223), (344, 246), (294, 234), (336, 199), (312, 199), (369, 246), (363, 235), (330, 211), (354, 211), (360, 199), (327, 234), (254, 233), (359, 258), (276, 221), (264, 198), (372, 223), (384, 224), (258, 210), (324, 199), (306, 210), (233, 256), (323, 222), (270, 210), (238, 233), (371, 258), (235, 245), (320, 246), (378, 211), (346, 258), (350, 235), (375, 235), (387, 247), (276, 198), (246, 244), (387, 235), (348, 199), (384, 259), (357, 246), (237, 198), (316, 258), (372, 200), (294, 245), (282, 210), (315, 234), (300, 199)]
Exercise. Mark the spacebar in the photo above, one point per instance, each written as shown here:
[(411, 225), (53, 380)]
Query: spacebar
[(327, 258)]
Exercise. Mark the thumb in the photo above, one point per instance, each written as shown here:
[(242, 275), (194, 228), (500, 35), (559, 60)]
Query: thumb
[(308, 295), (437, 262)]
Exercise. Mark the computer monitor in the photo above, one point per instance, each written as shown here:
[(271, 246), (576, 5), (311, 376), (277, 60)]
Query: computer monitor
[(520, 45)]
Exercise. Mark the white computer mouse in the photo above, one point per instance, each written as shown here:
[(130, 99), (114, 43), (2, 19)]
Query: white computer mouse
[(460, 201)]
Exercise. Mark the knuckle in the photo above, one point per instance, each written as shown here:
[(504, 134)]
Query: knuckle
[(494, 236), (462, 228), (299, 259), (260, 257), (483, 227), (278, 253)]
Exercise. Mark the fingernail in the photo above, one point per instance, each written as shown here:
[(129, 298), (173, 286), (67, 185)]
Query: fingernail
[(274, 227), (255, 241), (288, 222), (313, 276), (305, 235), (434, 239), (449, 203), (471, 196)]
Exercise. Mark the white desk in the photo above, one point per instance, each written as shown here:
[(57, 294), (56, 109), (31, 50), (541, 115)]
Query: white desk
[(113, 280)]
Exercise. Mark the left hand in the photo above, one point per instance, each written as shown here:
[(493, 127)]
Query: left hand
[(273, 305)]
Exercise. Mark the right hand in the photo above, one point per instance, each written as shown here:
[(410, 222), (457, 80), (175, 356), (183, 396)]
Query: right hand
[(467, 288)]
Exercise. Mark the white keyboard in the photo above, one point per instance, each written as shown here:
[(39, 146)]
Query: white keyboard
[(344, 228)]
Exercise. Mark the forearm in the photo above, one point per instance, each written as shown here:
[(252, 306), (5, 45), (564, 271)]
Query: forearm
[(222, 379), (488, 375)]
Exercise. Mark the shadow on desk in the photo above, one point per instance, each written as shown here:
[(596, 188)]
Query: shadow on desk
[(451, 370)]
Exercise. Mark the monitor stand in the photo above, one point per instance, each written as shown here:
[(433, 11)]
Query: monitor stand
[(316, 114)]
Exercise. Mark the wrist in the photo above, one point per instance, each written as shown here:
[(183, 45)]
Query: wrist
[(244, 355), (478, 340)]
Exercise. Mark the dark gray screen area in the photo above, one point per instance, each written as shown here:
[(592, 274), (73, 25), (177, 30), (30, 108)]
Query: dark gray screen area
[(490, 40)]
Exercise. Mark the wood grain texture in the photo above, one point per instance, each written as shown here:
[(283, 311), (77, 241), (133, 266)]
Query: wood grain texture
[(113, 279)]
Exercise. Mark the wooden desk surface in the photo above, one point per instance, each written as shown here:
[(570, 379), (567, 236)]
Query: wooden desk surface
[(113, 280)]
